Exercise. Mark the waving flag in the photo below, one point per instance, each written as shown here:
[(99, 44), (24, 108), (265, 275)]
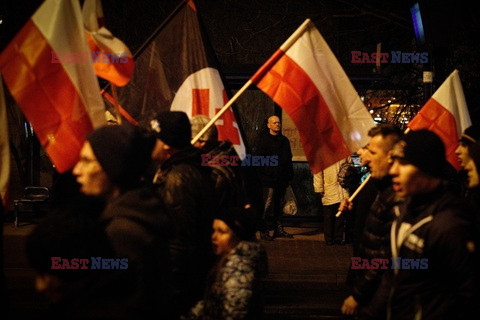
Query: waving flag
[(446, 114), (4, 148), (58, 93), (177, 71), (111, 58), (305, 79)]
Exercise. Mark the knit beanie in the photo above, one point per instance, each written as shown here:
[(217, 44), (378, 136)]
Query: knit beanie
[(173, 128), (425, 150), (124, 152), (240, 220), (471, 134)]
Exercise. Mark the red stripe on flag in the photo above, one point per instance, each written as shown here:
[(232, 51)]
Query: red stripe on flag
[(267, 66), (291, 88), (54, 108), (434, 117), (200, 101)]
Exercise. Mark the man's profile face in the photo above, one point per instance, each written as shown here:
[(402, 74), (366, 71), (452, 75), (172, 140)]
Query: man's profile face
[(462, 153), (377, 157), (472, 173), (407, 179), (90, 174), (274, 125)]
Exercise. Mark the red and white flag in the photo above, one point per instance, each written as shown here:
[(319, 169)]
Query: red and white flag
[(111, 58), (4, 149), (446, 114), (60, 96), (305, 79), (178, 71)]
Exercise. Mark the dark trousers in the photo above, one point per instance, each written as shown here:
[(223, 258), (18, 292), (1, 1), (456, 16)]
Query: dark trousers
[(273, 199), (333, 227)]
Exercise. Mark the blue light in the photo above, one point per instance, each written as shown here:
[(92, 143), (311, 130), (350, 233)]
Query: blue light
[(417, 24)]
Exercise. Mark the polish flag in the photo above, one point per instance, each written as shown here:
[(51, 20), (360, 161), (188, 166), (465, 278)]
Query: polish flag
[(177, 70), (305, 79), (111, 58), (60, 99), (446, 114)]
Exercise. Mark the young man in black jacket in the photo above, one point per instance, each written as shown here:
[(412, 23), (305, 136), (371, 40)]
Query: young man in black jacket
[(433, 238), (187, 189)]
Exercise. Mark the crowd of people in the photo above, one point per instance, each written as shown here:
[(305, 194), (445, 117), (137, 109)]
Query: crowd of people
[(419, 216), (151, 232), (178, 233)]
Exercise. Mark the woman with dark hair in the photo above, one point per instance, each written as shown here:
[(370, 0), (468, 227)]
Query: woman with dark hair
[(234, 286)]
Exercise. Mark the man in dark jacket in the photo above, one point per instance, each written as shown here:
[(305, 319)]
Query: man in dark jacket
[(187, 190), (434, 238), (275, 179), (375, 205)]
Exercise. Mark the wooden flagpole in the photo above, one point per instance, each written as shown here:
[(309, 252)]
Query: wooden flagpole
[(117, 107), (360, 187), (285, 46)]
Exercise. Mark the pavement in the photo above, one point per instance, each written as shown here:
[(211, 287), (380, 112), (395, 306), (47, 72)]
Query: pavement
[(306, 277)]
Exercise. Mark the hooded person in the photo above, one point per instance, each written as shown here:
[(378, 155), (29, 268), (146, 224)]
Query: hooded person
[(235, 284), (188, 191), (433, 237), (112, 163)]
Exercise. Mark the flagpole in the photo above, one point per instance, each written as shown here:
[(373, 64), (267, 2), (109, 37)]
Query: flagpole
[(117, 107), (285, 46), (222, 111), (355, 194)]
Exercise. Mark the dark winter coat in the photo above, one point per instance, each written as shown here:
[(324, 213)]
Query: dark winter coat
[(187, 189), (278, 146), (139, 228), (442, 232), (375, 241)]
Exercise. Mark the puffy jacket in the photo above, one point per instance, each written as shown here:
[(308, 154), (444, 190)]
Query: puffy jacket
[(235, 287), (375, 241), (187, 189)]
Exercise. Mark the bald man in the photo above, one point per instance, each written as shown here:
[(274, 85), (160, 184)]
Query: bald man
[(275, 175)]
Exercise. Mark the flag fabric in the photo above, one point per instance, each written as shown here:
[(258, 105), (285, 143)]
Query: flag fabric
[(112, 60), (446, 114), (60, 96), (4, 149), (305, 79), (178, 71)]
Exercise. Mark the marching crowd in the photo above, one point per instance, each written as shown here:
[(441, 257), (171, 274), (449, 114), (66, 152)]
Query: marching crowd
[(188, 231)]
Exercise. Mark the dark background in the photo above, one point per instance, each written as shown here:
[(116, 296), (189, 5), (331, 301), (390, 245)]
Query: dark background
[(245, 33)]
